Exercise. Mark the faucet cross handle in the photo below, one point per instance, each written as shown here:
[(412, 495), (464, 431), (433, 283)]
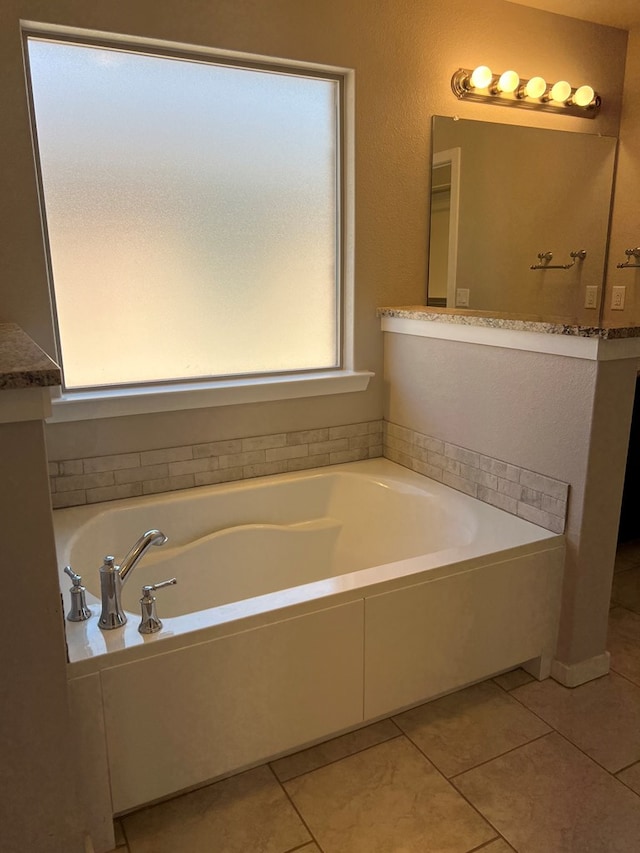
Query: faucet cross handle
[(149, 622), (79, 611)]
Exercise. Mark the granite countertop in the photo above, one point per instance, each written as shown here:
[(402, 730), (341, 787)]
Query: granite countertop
[(498, 320), (22, 363)]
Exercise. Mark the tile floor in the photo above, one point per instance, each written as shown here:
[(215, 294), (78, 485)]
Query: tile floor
[(509, 764)]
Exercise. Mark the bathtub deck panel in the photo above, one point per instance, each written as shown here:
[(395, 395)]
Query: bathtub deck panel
[(433, 637), (180, 719)]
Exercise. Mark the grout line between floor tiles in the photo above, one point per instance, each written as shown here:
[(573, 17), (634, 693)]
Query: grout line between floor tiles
[(459, 792), (341, 758), (627, 766), (502, 754), (297, 811), (566, 737), (486, 844)]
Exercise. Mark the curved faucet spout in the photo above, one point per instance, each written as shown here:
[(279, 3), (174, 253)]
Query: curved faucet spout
[(151, 537)]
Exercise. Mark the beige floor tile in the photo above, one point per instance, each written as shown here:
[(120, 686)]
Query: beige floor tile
[(387, 799), (631, 777), (513, 679), (466, 728), (498, 846), (601, 717), (332, 750), (626, 589), (548, 797), (245, 812), (624, 642)]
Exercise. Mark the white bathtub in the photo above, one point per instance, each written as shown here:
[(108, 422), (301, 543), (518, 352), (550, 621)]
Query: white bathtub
[(306, 604)]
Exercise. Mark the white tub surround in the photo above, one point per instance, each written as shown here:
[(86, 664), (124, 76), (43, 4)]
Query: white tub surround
[(75, 482), (306, 605), (529, 397)]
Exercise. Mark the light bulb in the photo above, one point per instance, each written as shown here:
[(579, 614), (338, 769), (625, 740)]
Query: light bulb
[(536, 87), (508, 82), (560, 91), (583, 96), (481, 77)]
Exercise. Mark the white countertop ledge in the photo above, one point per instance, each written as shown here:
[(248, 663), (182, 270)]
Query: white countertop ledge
[(571, 346), (87, 405)]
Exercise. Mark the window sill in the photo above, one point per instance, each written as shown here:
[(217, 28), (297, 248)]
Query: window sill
[(87, 405)]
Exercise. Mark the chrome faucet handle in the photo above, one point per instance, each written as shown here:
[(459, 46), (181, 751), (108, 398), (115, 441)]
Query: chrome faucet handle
[(150, 623), (79, 611)]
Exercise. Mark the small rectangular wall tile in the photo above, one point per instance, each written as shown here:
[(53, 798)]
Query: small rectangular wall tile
[(328, 446), (217, 448), (500, 469), (540, 483), (508, 487), (111, 463), (276, 454), (308, 436), (53, 469), (84, 481), (460, 484), (221, 475), (192, 466), (66, 499), (461, 454), (168, 454), (538, 516), (168, 484), (262, 442), (348, 456), (349, 430), (497, 499), (554, 505), (475, 475), (263, 469), (375, 451), (434, 445), (233, 460), (319, 461), (142, 472), (113, 493)]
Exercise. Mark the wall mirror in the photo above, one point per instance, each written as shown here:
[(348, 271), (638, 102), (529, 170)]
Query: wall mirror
[(501, 195)]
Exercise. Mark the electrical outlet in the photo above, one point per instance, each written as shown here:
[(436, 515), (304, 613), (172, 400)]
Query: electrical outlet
[(591, 296), (617, 298), (462, 297)]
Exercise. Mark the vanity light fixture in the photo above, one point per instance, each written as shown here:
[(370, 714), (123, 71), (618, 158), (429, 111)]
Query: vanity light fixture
[(508, 89)]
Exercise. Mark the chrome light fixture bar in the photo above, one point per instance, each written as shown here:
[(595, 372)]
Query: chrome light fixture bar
[(508, 89)]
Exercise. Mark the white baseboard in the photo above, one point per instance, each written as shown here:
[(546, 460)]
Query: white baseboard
[(571, 675)]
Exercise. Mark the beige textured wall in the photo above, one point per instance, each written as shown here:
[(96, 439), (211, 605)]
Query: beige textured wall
[(404, 52), (36, 787), (564, 417), (625, 222)]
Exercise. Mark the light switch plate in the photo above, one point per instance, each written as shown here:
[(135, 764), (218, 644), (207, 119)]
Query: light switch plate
[(462, 297), (591, 296), (617, 298)]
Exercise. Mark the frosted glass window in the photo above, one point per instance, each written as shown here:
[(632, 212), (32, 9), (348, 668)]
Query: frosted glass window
[(191, 213)]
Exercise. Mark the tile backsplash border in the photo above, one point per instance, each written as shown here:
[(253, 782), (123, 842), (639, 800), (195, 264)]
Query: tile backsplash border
[(534, 497), (519, 491), (75, 482)]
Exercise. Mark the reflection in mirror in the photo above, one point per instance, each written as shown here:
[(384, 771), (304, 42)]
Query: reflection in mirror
[(503, 195)]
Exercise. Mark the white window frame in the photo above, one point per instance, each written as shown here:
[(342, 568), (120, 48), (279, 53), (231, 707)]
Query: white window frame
[(223, 391)]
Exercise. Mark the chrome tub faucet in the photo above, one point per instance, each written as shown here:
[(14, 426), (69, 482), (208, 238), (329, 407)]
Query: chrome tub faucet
[(113, 578)]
